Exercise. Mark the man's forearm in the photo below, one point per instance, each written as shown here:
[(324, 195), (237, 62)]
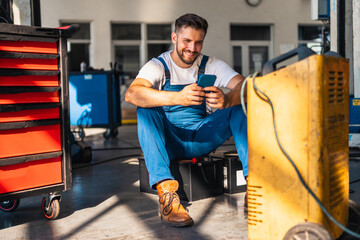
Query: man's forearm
[(232, 98), (142, 96)]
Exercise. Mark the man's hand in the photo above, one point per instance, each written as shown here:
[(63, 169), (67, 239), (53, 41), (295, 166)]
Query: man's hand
[(191, 95), (215, 97)]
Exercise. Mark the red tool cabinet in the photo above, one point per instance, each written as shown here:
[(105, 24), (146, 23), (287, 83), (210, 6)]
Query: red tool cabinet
[(34, 116)]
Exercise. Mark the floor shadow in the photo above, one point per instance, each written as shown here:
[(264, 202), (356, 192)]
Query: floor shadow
[(112, 175)]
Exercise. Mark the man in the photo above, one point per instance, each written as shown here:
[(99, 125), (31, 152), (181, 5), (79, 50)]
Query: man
[(172, 119)]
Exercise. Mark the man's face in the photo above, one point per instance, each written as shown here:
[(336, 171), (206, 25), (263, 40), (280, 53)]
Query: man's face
[(188, 44)]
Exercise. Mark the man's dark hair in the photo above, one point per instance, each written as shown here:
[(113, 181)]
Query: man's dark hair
[(191, 20)]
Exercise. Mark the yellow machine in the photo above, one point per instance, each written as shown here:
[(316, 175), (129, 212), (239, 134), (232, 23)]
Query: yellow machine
[(310, 101)]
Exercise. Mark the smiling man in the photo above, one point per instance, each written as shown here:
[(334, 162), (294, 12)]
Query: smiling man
[(174, 121)]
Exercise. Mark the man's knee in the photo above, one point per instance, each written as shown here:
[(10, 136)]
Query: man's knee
[(144, 111), (149, 113), (237, 112)]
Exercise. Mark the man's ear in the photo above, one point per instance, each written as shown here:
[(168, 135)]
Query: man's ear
[(173, 37)]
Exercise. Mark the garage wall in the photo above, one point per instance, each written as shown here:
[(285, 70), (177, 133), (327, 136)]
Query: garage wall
[(283, 15)]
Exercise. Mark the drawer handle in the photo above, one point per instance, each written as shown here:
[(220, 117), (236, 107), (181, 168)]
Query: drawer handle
[(28, 158), (27, 124)]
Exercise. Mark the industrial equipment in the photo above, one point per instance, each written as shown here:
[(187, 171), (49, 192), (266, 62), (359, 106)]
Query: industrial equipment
[(95, 101), (305, 114)]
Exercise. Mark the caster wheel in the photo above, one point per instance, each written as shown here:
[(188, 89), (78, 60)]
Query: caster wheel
[(8, 206), (106, 134), (354, 216), (110, 132), (114, 132), (51, 212), (81, 133), (353, 221), (308, 231)]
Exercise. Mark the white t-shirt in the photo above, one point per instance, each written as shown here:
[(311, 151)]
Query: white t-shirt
[(154, 72)]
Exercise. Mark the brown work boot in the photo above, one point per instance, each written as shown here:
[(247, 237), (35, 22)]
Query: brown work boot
[(171, 211)]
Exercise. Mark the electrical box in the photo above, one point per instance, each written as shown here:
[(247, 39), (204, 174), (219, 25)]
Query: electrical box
[(234, 180), (320, 9)]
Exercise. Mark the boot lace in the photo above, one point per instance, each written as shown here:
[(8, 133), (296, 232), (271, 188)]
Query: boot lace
[(167, 199)]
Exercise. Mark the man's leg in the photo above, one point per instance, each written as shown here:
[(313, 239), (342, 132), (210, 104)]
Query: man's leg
[(157, 137), (239, 130), (238, 125), (215, 129)]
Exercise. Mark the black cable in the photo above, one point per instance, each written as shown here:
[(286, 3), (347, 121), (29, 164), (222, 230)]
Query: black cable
[(107, 160), (5, 20), (85, 116), (357, 180), (119, 148)]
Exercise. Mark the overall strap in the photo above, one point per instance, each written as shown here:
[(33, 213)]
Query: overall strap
[(167, 72), (202, 66)]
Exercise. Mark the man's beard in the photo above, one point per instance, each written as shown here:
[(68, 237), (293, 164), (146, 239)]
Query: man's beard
[(180, 54)]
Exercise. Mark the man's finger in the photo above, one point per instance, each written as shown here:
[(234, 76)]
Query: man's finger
[(211, 89), (197, 98), (212, 95)]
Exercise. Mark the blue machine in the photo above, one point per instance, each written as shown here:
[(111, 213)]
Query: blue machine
[(354, 115), (95, 101)]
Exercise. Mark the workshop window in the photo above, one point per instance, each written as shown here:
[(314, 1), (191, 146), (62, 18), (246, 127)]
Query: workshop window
[(249, 33), (158, 39), (154, 50), (136, 43), (78, 45), (311, 36), (251, 47), (126, 31), (127, 58), (237, 59), (158, 31)]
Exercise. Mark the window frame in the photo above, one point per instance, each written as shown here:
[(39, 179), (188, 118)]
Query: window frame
[(81, 41), (246, 44), (142, 43), (306, 42)]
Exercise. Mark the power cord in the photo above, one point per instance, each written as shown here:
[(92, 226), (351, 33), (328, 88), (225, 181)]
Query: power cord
[(267, 100), (243, 91), (82, 122)]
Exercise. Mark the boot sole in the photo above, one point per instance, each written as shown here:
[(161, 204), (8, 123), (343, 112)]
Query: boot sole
[(177, 224), (181, 224)]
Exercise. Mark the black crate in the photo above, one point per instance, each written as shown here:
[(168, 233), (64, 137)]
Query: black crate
[(234, 181), (197, 180)]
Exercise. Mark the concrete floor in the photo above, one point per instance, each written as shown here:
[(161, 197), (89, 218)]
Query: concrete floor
[(105, 202)]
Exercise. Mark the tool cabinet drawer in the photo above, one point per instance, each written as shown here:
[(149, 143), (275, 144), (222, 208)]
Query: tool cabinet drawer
[(25, 138), (29, 46), (44, 81), (29, 63), (29, 97), (28, 113), (31, 174), (10, 60)]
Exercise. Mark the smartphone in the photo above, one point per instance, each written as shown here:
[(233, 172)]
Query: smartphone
[(206, 80)]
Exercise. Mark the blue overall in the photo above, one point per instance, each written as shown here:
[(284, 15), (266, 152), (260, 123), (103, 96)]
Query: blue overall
[(177, 132)]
